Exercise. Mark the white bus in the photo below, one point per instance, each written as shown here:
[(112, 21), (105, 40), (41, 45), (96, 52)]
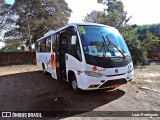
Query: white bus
[(89, 56)]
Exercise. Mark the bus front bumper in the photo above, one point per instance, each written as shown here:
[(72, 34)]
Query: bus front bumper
[(91, 83)]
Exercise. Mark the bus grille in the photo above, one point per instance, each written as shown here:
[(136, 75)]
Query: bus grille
[(114, 82)]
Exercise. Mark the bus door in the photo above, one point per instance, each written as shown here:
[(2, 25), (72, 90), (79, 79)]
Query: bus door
[(62, 55), (53, 58), (65, 48)]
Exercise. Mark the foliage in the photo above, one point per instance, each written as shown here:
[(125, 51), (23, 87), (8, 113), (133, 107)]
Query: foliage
[(138, 48), (6, 17), (14, 44), (9, 50), (143, 29), (23, 48), (150, 42), (36, 17), (114, 15), (134, 45)]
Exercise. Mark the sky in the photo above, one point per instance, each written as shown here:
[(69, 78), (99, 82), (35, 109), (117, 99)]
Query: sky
[(142, 11), (10, 1)]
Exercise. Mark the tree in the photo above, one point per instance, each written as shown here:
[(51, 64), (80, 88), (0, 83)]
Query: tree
[(139, 49), (94, 17), (134, 46), (35, 17), (6, 17), (114, 15), (150, 42), (14, 44), (143, 29)]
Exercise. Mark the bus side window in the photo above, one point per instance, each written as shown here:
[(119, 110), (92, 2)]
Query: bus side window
[(54, 43), (43, 45), (57, 36), (74, 50), (48, 44), (78, 50)]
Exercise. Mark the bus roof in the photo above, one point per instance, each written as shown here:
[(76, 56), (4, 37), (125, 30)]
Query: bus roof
[(91, 24), (71, 24)]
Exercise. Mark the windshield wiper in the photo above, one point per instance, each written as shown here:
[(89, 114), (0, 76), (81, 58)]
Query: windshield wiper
[(114, 46), (105, 51)]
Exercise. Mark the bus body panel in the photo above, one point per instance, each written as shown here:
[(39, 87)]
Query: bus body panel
[(44, 58), (71, 62), (86, 81), (74, 65), (83, 70)]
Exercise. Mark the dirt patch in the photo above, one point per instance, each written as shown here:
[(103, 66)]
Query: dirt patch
[(26, 88)]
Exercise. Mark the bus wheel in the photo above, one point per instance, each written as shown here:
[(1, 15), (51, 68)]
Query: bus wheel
[(44, 69), (74, 85)]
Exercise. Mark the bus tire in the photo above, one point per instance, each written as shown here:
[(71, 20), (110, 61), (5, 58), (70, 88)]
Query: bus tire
[(74, 85), (44, 69)]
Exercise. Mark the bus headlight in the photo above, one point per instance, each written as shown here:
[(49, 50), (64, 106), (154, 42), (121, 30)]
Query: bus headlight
[(130, 67), (93, 74)]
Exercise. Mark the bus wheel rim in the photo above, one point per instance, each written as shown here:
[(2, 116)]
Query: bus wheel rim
[(74, 84)]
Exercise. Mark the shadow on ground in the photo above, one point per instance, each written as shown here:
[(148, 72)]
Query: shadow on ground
[(34, 91)]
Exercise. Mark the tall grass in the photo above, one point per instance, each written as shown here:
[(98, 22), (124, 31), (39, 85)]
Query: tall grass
[(152, 68)]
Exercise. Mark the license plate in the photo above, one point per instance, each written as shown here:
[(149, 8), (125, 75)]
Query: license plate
[(114, 86)]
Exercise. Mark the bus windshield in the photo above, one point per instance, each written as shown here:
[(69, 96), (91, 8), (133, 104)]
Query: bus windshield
[(102, 43)]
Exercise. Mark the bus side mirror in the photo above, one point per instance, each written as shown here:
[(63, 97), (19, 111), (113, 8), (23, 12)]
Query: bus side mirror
[(73, 40)]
